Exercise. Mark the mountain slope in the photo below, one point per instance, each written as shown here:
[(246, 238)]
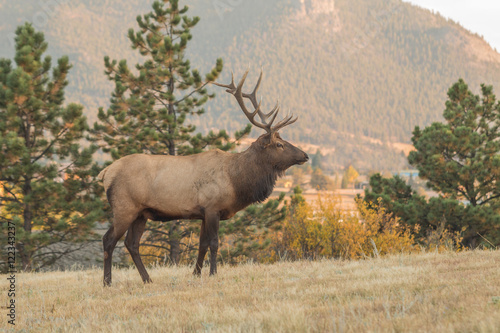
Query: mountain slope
[(349, 68)]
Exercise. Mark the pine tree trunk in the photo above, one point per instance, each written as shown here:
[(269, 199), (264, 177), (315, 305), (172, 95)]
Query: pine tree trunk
[(27, 189), (171, 108), (171, 111), (171, 130), (28, 217)]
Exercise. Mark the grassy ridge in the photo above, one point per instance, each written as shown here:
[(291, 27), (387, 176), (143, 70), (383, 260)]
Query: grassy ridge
[(427, 292)]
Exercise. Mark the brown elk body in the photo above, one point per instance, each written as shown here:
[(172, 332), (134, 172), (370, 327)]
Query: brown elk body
[(210, 186)]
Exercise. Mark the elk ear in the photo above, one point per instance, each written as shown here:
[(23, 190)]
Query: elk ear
[(265, 140)]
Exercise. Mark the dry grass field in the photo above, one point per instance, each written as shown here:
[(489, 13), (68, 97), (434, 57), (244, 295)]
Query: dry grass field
[(428, 292)]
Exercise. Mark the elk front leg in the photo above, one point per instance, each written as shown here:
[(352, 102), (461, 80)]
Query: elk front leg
[(212, 225), (202, 249), (209, 237)]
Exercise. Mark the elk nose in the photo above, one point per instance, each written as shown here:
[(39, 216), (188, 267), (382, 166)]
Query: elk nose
[(306, 157)]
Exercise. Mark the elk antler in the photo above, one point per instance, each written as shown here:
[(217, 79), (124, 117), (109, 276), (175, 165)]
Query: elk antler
[(239, 95)]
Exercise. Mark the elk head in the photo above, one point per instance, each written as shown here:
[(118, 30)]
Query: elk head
[(270, 146)]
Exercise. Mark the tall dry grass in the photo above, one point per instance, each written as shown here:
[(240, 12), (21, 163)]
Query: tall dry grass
[(428, 292)]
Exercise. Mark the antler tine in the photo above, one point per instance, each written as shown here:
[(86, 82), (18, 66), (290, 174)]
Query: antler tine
[(241, 83), (231, 88), (276, 109), (253, 96), (285, 122), (274, 112)]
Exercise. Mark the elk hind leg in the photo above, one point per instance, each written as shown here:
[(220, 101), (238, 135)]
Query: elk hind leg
[(132, 242), (109, 242)]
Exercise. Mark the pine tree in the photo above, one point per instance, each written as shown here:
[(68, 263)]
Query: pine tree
[(436, 216), (316, 160), (151, 104), (399, 200), (461, 158), (47, 178)]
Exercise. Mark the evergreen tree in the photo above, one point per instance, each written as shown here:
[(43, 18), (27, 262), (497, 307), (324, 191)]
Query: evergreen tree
[(150, 106), (398, 199), (316, 160), (461, 158), (438, 214), (47, 179), (296, 198)]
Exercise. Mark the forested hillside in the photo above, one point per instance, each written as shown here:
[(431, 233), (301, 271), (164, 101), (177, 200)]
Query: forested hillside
[(359, 73)]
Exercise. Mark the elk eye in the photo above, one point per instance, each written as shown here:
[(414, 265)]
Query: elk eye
[(279, 145)]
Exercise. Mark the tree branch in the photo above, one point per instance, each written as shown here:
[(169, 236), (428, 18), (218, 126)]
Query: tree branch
[(14, 199), (187, 96), (51, 144), (490, 198)]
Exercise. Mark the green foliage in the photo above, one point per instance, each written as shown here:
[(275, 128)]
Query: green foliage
[(316, 160), (437, 217), (461, 158), (437, 220), (297, 198), (151, 106), (47, 179), (398, 198)]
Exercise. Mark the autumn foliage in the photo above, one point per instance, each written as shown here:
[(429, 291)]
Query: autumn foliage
[(324, 230)]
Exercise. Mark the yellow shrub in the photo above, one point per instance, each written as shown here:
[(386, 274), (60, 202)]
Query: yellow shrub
[(301, 236), (387, 234), (331, 232), (442, 239)]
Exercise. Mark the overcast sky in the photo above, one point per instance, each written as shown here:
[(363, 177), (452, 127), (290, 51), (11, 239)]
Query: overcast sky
[(479, 16)]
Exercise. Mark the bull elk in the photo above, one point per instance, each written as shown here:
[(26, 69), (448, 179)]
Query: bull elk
[(210, 186)]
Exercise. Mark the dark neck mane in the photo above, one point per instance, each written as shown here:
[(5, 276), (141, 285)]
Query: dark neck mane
[(252, 177)]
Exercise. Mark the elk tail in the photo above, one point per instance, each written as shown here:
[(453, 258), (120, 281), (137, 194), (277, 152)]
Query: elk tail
[(102, 174)]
